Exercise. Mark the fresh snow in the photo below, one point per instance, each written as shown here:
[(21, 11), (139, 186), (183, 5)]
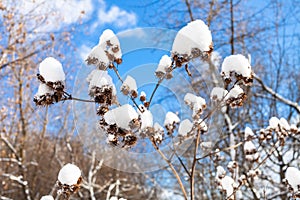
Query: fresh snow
[(111, 137), (218, 93), (47, 197), (248, 132), (159, 131), (164, 64), (221, 172), (100, 78), (249, 146), (146, 118), (171, 118), (143, 94), (44, 89), (234, 92), (185, 127), (292, 175), (215, 58), (195, 35), (130, 83), (202, 124), (227, 184), (284, 124), (238, 64), (194, 101), (52, 70), (158, 127), (206, 145), (274, 122), (121, 116), (109, 35), (98, 53), (69, 174)]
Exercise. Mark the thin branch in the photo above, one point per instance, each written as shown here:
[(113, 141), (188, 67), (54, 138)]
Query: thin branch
[(276, 95), (131, 97), (192, 179), (172, 168), (156, 87), (188, 5)]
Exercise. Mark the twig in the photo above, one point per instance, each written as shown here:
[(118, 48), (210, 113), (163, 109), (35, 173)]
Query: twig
[(156, 87), (192, 180), (131, 97), (159, 82), (276, 95), (262, 162), (172, 168)]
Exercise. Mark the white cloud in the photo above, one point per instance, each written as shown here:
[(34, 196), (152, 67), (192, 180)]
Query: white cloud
[(51, 15), (115, 15)]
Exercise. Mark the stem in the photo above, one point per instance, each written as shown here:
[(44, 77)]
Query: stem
[(156, 87), (172, 168), (132, 99), (192, 180), (159, 82), (232, 28), (78, 99), (117, 73)]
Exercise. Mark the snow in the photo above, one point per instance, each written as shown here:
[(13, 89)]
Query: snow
[(109, 35), (249, 146), (158, 127), (107, 50), (159, 131), (195, 34), (130, 83), (202, 124), (185, 127), (121, 116), (163, 66), (197, 104), (206, 145), (171, 118), (235, 92), (248, 132), (274, 122), (194, 101), (98, 53), (44, 89), (100, 78), (146, 118), (143, 94), (52, 70), (221, 172), (69, 174), (218, 93), (284, 124), (215, 58), (231, 164), (238, 64), (227, 184), (292, 175), (111, 137), (47, 197)]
